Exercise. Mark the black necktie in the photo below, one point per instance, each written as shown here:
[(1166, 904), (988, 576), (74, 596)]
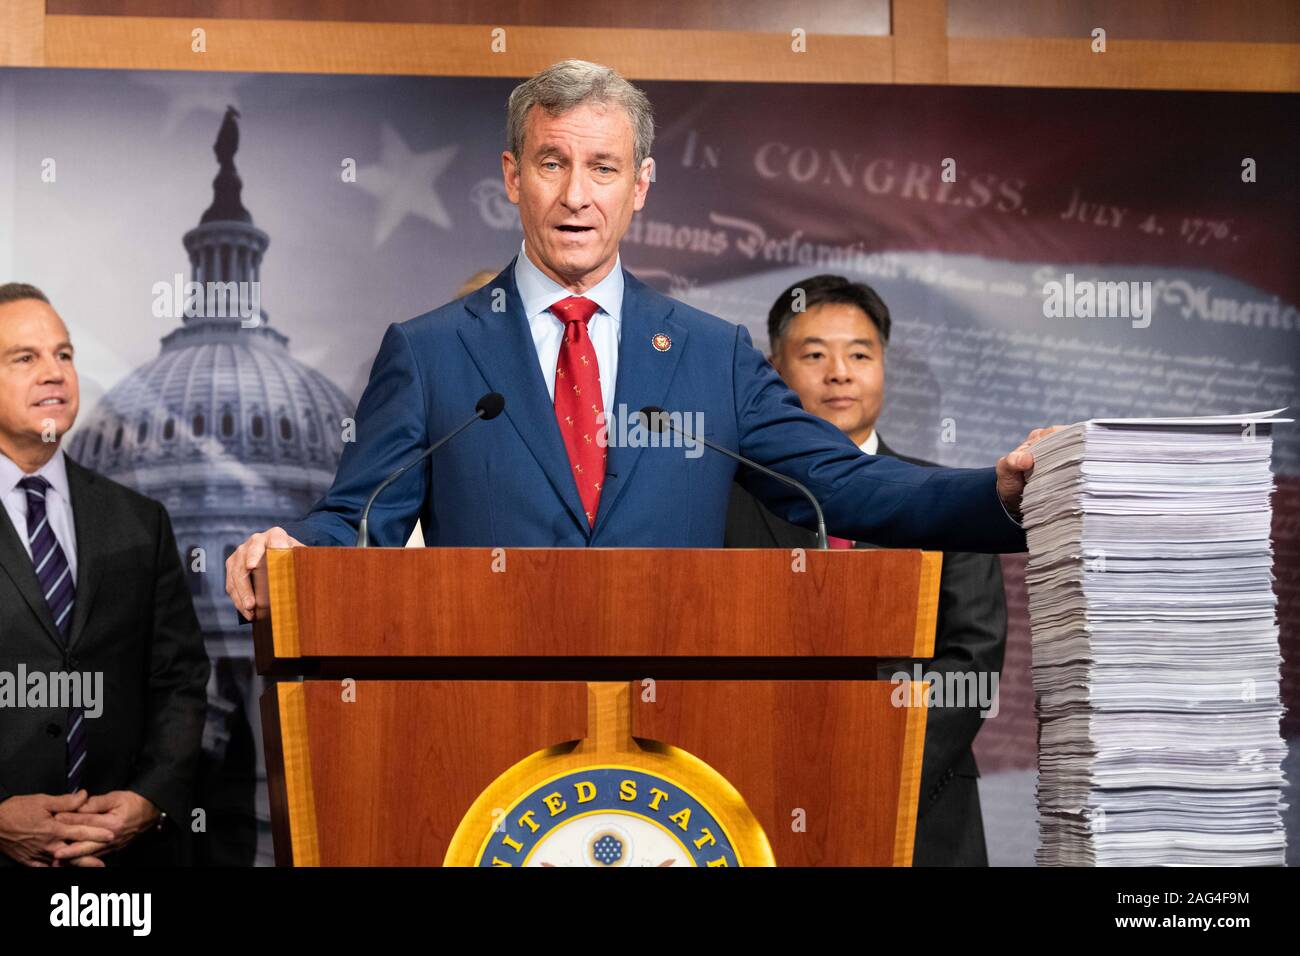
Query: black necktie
[(55, 577)]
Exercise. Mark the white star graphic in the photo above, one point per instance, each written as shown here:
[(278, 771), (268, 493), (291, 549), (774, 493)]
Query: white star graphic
[(403, 181), (186, 93)]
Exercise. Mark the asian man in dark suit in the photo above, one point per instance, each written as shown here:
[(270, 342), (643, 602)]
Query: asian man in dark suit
[(92, 599), (832, 353)]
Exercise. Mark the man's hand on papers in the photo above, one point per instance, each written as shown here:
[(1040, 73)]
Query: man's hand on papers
[(1014, 470)]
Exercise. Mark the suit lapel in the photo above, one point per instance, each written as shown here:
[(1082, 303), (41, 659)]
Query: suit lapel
[(644, 373), (501, 345), (15, 562), (89, 512)]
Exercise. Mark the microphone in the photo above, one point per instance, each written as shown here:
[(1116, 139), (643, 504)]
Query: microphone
[(656, 419), (488, 408)]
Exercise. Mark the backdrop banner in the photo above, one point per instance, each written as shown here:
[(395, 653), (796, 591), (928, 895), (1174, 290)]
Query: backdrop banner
[(1047, 255)]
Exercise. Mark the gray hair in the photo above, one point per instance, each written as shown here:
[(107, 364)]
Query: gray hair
[(572, 83)]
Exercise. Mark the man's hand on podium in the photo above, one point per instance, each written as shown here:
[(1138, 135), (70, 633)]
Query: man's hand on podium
[(240, 565), (1014, 470)]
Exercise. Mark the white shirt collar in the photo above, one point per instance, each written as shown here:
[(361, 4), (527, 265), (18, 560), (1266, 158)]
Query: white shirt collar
[(872, 444), (55, 471), (539, 291)]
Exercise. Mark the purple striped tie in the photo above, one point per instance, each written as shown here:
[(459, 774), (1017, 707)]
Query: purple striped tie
[(55, 577)]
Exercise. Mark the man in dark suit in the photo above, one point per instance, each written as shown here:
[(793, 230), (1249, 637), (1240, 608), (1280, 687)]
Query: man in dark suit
[(102, 667), (576, 344), (831, 351)]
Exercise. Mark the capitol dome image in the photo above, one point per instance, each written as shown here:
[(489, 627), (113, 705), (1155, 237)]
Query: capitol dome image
[(233, 435), (225, 427)]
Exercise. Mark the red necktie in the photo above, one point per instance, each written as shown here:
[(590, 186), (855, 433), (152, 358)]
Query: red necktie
[(838, 544), (577, 400)]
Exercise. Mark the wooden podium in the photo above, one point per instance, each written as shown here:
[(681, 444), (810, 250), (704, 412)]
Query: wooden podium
[(408, 687)]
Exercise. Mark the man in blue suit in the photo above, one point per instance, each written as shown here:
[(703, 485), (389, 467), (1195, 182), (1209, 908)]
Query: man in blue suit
[(576, 344)]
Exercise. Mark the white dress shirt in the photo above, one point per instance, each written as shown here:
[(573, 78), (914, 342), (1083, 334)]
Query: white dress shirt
[(539, 292), (58, 504)]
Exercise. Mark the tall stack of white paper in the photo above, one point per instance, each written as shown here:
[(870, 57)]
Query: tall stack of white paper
[(1155, 645)]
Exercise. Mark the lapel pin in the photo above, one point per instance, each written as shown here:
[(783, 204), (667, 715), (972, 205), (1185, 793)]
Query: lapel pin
[(661, 342)]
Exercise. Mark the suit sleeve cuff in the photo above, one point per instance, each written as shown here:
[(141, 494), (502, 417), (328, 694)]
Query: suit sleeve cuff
[(1010, 517), (162, 795), (314, 537)]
